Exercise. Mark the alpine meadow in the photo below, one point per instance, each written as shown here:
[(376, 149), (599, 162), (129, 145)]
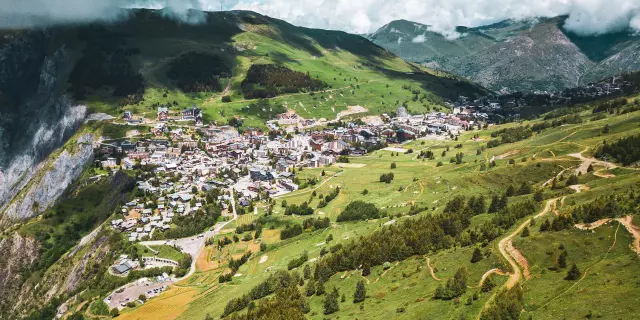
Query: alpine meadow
[(194, 164)]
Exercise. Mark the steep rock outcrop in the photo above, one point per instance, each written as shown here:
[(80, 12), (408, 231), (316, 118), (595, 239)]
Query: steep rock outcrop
[(50, 179), (36, 118), (18, 253)]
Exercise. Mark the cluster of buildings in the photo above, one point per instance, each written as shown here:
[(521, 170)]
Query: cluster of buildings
[(510, 105), (176, 164)]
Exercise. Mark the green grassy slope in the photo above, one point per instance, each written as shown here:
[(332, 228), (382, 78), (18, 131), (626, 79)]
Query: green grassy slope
[(405, 290), (358, 72)]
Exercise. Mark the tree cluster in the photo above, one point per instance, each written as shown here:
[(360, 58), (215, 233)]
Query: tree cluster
[(198, 72), (386, 177), (510, 135), (316, 224), (358, 210), (323, 203), (270, 80), (302, 210), (625, 150), (454, 287), (290, 231)]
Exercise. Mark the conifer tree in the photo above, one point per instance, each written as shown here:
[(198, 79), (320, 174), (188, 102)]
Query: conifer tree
[(361, 292), (476, 256), (330, 303), (574, 273)]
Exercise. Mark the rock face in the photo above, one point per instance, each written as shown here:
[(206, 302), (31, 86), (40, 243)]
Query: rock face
[(18, 252), (23, 289), (36, 118), (50, 179), (540, 58)]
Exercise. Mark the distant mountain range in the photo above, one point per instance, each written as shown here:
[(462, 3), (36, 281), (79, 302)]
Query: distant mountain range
[(529, 55)]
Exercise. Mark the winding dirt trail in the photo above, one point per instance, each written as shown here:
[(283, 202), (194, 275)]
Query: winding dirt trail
[(433, 274), (385, 272), (579, 188), (487, 274), (512, 255), (586, 162), (593, 225), (627, 222)]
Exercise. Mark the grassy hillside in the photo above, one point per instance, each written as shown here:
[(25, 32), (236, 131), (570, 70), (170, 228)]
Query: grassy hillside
[(404, 288), (356, 71)]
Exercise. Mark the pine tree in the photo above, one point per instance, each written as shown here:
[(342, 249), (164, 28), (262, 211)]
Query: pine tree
[(574, 273), (525, 232), (306, 272), (330, 303), (538, 196), (310, 289), (495, 201), (476, 256), (366, 269), (361, 292), (319, 288), (511, 191), (487, 285), (562, 260), (573, 180), (545, 226)]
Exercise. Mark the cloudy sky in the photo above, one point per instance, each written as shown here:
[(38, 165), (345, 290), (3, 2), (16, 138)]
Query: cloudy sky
[(587, 17)]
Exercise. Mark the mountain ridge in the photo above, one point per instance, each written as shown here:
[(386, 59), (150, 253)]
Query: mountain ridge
[(528, 55)]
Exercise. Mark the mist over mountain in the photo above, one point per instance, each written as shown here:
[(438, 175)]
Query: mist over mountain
[(527, 55)]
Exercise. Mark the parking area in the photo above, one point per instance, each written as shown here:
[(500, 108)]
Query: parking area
[(132, 291)]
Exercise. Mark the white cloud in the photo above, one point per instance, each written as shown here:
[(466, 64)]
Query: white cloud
[(359, 16), (419, 39), (586, 16)]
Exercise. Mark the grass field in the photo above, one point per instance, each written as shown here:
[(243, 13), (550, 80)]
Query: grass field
[(405, 290), (364, 77)]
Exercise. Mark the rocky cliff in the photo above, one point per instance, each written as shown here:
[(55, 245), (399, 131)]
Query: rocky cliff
[(27, 286), (19, 252), (49, 179), (36, 118)]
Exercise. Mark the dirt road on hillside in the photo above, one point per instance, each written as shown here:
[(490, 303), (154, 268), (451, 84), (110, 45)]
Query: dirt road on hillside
[(512, 255), (627, 222)]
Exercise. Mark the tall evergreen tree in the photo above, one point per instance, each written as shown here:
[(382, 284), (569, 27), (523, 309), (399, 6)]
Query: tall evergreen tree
[(330, 303), (511, 191), (574, 273), (310, 289), (476, 256), (562, 260), (361, 292)]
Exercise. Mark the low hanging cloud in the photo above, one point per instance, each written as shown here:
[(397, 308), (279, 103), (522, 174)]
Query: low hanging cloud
[(586, 17)]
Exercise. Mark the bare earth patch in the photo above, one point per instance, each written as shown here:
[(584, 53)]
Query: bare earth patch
[(352, 110), (593, 225), (579, 188), (508, 154), (350, 165), (373, 120), (627, 222), (393, 149)]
